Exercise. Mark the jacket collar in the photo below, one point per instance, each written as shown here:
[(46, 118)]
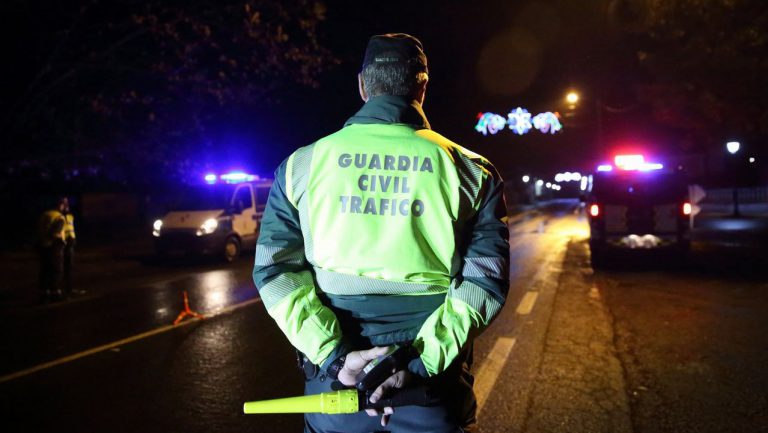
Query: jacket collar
[(388, 109)]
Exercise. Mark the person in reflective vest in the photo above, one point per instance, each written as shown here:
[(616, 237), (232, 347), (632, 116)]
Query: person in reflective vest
[(69, 248), (51, 244), (386, 233)]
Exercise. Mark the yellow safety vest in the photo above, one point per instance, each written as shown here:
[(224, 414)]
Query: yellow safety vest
[(51, 227), (69, 226)]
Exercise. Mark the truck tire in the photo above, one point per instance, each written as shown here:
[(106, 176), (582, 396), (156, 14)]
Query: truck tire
[(231, 249)]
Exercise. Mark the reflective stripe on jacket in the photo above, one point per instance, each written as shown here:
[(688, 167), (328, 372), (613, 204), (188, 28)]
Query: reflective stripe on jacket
[(385, 229)]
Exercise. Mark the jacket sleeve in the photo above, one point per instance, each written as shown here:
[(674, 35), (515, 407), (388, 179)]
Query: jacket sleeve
[(286, 282), (478, 293)]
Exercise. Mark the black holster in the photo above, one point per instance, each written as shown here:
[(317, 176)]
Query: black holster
[(307, 367)]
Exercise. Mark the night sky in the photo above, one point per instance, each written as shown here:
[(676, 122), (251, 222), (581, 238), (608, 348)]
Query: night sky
[(483, 56)]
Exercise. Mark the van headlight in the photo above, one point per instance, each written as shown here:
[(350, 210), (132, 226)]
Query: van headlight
[(208, 227), (156, 226)]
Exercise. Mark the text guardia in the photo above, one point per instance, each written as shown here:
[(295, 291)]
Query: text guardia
[(396, 185)]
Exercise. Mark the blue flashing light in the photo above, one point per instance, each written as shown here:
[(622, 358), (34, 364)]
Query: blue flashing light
[(648, 166), (604, 167), (210, 178), (237, 177)]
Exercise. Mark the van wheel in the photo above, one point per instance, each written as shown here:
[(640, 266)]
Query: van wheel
[(161, 253), (597, 258), (682, 253), (231, 249)]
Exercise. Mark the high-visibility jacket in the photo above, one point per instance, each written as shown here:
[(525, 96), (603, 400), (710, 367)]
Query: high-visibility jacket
[(69, 226), (51, 227), (384, 232)]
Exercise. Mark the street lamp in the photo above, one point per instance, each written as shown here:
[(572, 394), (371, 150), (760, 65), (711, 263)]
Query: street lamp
[(733, 147), (572, 98), (526, 178)]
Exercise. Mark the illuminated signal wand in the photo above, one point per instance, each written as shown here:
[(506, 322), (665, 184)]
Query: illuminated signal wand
[(355, 400), (339, 402)]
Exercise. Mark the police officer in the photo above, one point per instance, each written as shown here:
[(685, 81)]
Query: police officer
[(51, 245), (386, 233), (69, 247)]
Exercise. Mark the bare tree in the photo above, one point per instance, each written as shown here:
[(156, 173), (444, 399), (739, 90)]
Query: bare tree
[(141, 80)]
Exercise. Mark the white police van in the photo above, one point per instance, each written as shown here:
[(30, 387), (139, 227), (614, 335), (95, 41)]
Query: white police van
[(221, 217)]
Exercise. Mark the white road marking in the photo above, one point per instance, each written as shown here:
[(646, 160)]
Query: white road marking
[(544, 267), (527, 303), (122, 342), (489, 371)]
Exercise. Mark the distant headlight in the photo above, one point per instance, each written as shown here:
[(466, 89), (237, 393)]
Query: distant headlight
[(208, 227), (157, 225)]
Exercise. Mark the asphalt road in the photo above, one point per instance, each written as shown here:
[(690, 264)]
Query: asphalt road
[(641, 348)]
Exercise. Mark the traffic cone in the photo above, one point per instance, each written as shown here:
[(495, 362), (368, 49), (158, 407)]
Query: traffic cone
[(187, 311)]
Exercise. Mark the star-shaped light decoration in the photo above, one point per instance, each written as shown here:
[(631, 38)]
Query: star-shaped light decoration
[(519, 121)]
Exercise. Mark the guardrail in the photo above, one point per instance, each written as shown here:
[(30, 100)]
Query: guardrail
[(735, 202)]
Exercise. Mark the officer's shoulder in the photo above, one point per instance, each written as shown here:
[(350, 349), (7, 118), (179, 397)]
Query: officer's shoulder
[(299, 152), (453, 148)]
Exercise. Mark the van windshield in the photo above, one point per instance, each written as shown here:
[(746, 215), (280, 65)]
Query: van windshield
[(205, 197), (650, 188)]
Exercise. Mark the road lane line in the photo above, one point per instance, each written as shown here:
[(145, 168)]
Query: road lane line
[(526, 304), (122, 342), (489, 371), (548, 262)]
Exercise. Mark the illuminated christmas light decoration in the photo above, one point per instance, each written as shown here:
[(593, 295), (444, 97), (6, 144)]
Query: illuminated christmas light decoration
[(490, 123), (568, 177), (519, 121), (547, 122)]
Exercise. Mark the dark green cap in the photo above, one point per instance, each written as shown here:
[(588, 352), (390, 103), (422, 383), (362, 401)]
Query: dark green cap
[(395, 47)]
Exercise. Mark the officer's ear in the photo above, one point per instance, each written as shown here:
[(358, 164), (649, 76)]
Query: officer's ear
[(421, 89), (361, 88)]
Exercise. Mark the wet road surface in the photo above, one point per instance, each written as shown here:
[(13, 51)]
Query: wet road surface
[(655, 349)]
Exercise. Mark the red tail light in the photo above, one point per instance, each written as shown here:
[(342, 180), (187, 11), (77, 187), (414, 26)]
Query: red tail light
[(686, 208), (594, 210)]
